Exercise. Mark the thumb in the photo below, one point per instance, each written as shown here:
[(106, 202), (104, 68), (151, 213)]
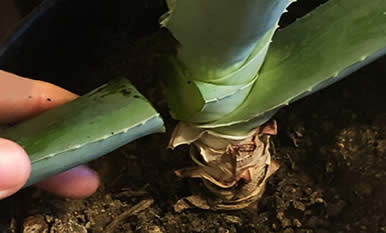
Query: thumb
[(14, 167)]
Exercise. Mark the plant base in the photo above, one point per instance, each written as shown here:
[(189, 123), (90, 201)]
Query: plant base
[(234, 170)]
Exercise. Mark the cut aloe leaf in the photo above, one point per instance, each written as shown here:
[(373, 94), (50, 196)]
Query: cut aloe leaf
[(85, 129), (335, 40)]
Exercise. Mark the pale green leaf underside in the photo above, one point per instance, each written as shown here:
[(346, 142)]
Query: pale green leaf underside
[(84, 129), (336, 39)]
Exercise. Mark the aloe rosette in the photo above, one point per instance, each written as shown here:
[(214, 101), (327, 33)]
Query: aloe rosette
[(227, 80)]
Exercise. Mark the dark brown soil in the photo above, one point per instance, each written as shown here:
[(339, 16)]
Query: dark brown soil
[(331, 147)]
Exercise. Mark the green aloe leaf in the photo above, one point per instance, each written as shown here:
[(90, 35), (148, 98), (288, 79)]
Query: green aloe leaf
[(84, 129), (223, 45), (336, 39)]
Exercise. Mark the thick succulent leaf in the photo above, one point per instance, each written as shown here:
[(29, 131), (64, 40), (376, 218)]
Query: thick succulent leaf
[(338, 38), (203, 102), (84, 129), (217, 36), (223, 45)]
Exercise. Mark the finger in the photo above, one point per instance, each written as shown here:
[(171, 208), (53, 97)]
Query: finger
[(14, 167), (77, 183), (22, 98)]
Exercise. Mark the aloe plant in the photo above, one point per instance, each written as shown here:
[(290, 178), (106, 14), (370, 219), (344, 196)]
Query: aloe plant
[(227, 80), (232, 71), (84, 129)]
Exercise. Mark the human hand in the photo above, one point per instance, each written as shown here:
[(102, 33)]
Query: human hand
[(20, 99)]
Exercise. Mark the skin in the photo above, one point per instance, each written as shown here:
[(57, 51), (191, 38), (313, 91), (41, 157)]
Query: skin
[(20, 99)]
